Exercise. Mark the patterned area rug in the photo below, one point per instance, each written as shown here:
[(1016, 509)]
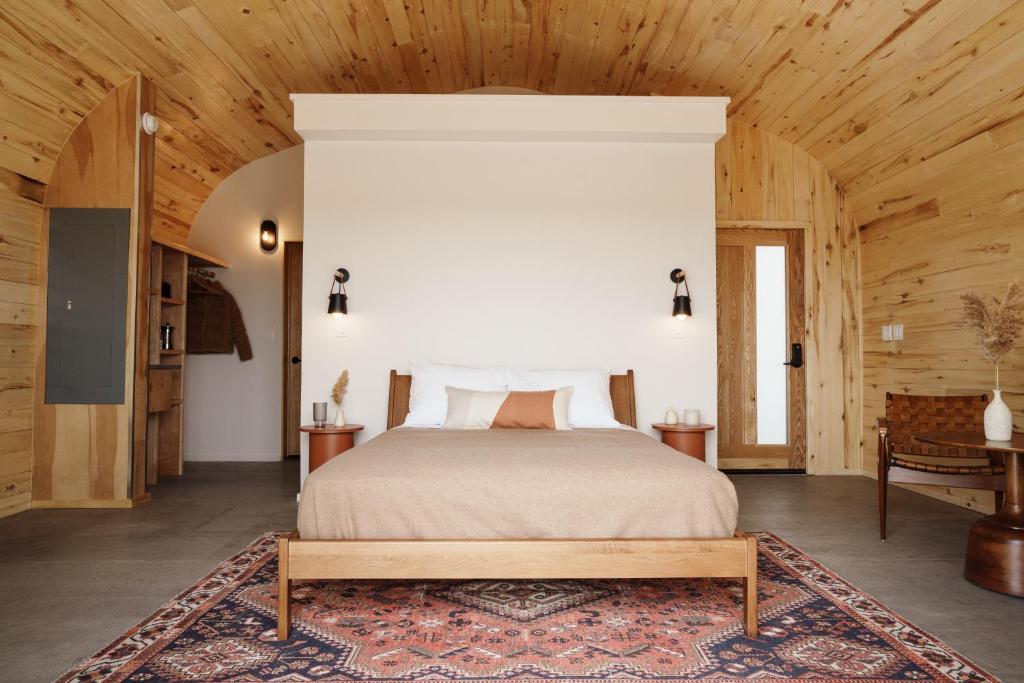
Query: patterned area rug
[(814, 626)]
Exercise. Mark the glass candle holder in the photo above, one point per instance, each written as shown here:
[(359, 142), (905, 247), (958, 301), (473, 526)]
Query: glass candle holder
[(320, 414)]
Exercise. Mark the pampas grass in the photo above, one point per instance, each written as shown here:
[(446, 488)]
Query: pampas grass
[(340, 388), (996, 322)]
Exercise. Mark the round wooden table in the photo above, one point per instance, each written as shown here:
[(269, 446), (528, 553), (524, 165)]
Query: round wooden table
[(995, 545), (689, 439), (328, 441)]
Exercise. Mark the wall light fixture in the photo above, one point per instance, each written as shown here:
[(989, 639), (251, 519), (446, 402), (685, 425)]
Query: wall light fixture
[(268, 236), (681, 307), (338, 301)]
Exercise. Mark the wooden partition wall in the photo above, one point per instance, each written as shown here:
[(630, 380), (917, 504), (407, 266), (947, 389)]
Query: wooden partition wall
[(763, 181), (93, 455)]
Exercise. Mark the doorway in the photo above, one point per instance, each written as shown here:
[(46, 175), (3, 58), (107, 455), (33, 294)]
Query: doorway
[(761, 385), (292, 348)]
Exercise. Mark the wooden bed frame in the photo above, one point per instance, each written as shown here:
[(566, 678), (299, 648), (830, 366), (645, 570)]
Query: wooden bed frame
[(598, 558)]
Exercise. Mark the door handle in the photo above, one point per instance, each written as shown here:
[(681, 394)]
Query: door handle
[(296, 360), (796, 358)]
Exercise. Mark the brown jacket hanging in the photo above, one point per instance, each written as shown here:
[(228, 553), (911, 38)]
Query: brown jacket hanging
[(214, 323)]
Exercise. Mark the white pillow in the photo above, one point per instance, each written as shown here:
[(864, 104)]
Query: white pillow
[(428, 402), (590, 405)]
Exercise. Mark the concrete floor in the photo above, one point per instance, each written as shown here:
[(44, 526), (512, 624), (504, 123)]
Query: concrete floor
[(74, 580)]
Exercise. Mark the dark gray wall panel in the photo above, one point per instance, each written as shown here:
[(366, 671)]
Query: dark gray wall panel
[(86, 304)]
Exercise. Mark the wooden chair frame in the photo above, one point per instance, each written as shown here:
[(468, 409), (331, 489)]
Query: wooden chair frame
[(906, 414), (576, 558)]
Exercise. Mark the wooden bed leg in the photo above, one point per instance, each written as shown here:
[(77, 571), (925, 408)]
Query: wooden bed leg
[(284, 609), (750, 589)]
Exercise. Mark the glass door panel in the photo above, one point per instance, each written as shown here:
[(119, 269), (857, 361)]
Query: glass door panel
[(770, 304)]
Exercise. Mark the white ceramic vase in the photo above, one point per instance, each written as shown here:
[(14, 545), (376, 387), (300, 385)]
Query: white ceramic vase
[(339, 418), (998, 419), (671, 417)]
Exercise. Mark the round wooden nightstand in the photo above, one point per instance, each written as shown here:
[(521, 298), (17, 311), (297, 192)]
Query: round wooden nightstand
[(684, 438), (328, 441)]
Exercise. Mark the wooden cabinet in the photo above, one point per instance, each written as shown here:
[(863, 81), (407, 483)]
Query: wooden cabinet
[(161, 395)]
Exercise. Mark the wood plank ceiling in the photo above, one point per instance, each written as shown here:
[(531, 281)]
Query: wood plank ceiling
[(856, 83)]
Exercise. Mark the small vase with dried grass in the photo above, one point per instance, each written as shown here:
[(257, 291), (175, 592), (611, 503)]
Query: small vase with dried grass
[(338, 396), (997, 324)]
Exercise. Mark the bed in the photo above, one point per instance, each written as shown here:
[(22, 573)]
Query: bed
[(516, 504)]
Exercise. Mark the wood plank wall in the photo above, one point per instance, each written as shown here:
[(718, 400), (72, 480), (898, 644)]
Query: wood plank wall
[(21, 211), (764, 181), (948, 219)]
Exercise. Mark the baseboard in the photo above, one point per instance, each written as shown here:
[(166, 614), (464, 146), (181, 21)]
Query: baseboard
[(232, 457), (91, 503), (764, 471)]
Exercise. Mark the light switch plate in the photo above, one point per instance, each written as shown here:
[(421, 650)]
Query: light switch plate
[(897, 332), (886, 332)]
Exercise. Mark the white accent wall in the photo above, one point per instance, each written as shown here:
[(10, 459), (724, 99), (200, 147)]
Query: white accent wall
[(472, 241), (233, 409)]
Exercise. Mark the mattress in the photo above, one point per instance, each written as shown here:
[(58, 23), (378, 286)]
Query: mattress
[(516, 483)]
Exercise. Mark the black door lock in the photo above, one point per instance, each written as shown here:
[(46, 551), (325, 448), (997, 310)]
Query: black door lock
[(796, 358)]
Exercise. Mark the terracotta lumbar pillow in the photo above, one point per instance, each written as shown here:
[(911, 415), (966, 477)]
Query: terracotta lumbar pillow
[(468, 409)]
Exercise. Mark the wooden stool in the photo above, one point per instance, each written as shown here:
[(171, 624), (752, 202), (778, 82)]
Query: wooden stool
[(328, 441), (684, 438)]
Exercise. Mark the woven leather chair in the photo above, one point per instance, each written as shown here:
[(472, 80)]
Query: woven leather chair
[(905, 415)]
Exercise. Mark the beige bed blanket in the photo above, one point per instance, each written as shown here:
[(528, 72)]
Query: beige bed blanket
[(443, 484)]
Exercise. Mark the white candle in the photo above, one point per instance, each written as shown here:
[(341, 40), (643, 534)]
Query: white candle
[(691, 417)]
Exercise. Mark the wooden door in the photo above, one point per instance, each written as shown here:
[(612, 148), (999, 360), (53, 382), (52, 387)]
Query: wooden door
[(292, 346), (761, 393)]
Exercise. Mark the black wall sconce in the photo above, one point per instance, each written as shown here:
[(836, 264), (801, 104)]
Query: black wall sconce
[(268, 236), (681, 307), (338, 301)]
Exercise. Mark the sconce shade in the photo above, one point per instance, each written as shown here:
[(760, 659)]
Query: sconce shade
[(338, 301), (681, 307), (268, 236), (338, 304)]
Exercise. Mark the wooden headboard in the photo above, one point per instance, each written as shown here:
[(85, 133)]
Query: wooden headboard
[(621, 387)]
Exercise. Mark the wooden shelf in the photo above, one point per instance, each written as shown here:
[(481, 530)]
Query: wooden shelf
[(195, 257), (169, 265)]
